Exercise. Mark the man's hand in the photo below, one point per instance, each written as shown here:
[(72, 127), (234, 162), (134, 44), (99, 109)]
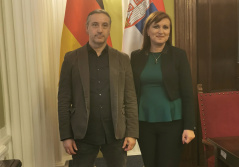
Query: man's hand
[(187, 136), (129, 143), (70, 146)]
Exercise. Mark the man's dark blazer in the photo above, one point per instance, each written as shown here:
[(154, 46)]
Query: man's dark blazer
[(176, 75), (74, 95)]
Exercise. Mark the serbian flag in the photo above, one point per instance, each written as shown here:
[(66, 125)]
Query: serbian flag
[(74, 29), (138, 11)]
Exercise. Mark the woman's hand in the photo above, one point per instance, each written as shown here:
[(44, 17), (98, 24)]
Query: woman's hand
[(188, 136)]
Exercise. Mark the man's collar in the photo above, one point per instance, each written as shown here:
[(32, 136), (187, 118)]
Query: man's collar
[(90, 49)]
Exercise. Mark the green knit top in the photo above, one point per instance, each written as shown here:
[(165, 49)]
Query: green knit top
[(154, 105)]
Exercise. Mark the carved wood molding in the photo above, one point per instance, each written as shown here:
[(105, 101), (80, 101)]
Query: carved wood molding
[(185, 31)]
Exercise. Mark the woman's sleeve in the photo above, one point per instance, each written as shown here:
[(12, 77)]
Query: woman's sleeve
[(186, 92)]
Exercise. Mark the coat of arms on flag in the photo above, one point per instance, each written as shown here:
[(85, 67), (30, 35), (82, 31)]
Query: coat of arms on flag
[(138, 11)]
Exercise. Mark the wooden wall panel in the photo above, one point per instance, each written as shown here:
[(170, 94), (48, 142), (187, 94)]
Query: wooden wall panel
[(224, 42), (203, 38), (217, 43)]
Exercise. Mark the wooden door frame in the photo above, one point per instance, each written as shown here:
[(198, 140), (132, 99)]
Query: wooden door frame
[(185, 31)]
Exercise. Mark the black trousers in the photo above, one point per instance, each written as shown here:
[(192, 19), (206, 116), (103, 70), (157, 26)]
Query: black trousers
[(161, 143), (113, 154)]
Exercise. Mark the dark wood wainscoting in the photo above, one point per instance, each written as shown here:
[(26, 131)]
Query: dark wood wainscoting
[(217, 44)]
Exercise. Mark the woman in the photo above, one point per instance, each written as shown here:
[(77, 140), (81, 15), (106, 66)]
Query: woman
[(165, 95)]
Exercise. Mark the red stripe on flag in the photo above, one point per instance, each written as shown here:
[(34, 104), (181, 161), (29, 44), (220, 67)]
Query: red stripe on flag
[(159, 5), (75, 18)]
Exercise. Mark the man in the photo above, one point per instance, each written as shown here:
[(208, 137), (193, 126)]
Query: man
[(96, 100)]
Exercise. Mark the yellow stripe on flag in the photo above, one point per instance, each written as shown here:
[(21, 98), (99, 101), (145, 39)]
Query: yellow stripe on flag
[(114, 8), (68, 43)]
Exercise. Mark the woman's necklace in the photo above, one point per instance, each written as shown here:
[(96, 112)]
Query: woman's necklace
[(156, 58)]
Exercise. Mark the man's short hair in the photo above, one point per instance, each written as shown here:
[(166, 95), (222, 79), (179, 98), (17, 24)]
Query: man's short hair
[(97, 11)]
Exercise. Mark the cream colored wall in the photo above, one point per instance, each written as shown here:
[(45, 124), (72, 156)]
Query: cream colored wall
[(169, 7)]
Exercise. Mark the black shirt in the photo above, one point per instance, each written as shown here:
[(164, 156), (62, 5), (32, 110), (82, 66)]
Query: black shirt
[(100, 127)]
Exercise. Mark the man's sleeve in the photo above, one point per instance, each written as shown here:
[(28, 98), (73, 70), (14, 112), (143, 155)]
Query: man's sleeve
[(130, 100), (65, 100)]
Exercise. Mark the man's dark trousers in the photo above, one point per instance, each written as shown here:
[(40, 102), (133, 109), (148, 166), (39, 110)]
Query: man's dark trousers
[(113, 154)]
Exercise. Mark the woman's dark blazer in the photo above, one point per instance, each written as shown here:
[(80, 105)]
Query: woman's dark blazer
[(176, 75)]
